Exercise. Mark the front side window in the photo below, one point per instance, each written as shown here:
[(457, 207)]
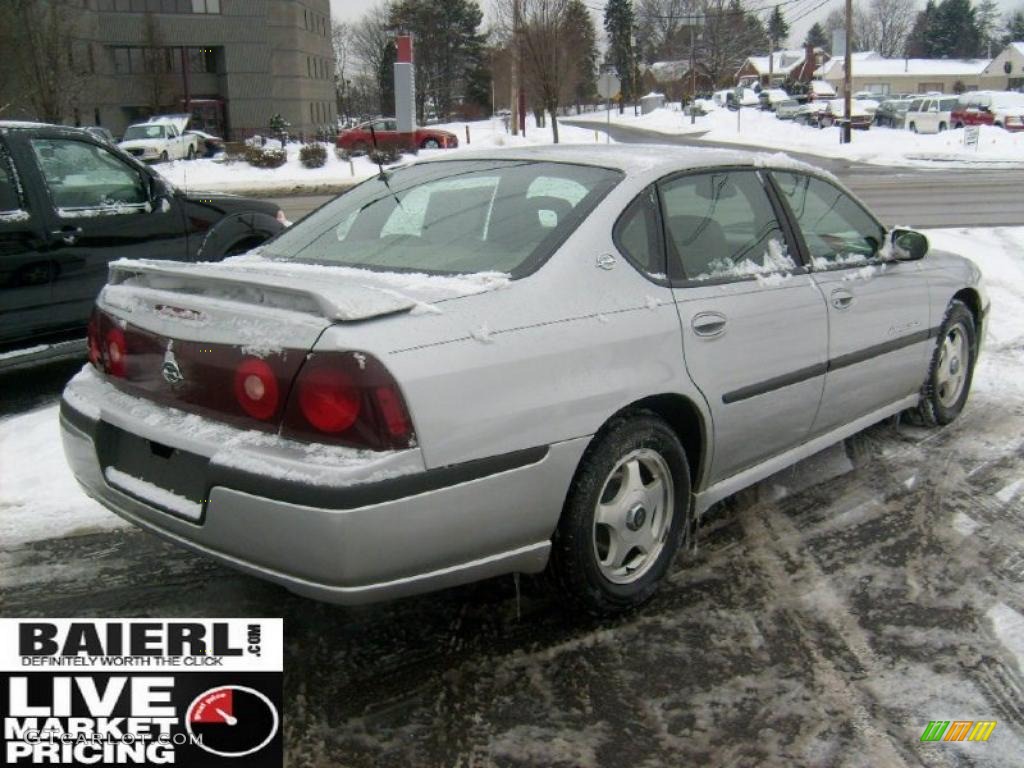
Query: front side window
[(453, 217), (84, 179), (721, 225), (836, 229)]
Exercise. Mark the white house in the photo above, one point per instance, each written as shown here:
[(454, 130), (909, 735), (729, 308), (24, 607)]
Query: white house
[(781, 65), (892, 76), (1008, 64)]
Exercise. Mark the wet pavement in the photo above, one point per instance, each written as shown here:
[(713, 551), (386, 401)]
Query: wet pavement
[(829, 614)]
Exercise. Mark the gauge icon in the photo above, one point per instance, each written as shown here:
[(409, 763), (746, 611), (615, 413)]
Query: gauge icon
[(232, 721)]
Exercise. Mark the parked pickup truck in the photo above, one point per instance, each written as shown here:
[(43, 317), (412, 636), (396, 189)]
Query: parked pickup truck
[(161, 139), (71, 203)]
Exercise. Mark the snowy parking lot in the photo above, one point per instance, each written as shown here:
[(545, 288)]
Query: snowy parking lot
[(828, 615)]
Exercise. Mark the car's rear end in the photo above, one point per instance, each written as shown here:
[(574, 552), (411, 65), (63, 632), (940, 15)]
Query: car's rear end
[(265, 411)]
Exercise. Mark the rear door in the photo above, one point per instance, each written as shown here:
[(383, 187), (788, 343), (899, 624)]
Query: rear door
[(98, 208), (877, 309), (753, 322), (25, 269)]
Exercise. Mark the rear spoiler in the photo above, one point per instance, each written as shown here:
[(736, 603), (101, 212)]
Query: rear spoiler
[(336, 300)]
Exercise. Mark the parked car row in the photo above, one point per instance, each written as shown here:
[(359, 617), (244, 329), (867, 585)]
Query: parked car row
[(162, 138)]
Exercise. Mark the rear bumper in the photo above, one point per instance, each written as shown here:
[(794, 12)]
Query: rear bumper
[(360, 543)]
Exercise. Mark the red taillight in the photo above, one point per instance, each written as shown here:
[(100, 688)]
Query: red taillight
[(348, 398), (95, 353), (329, 399), (115, 352), (393, 410), (256, 388)]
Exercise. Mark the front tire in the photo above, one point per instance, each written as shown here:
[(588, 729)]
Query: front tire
[(625, 516), (913, 127), (191, 154), (430, 144), (164, 156), (952, 368)]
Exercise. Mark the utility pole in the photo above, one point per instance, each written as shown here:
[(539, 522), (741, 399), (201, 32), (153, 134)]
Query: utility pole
[(846, 136), (693, 76), (515, 68)]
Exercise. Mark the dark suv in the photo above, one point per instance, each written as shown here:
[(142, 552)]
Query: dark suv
[(70, 204)]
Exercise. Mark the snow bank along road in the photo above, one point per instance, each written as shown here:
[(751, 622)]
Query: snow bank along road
[(831, 612)]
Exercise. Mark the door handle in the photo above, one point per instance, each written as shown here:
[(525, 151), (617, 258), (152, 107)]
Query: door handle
[(841, 298), (68, 235), (709, 324)]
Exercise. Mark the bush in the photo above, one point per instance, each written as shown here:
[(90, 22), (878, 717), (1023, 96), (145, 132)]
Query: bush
[(265, 158), (385, 156), (313, 155), (342, 154)]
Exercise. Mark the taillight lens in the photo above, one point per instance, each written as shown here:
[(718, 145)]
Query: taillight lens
[(348, 398), (256, 388), (95, 353), (329, 399), (115, 352)]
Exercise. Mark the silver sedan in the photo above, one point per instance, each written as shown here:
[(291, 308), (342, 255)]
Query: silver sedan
[(510, 361)]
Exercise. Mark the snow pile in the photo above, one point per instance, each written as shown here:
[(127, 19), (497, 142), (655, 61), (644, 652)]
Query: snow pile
[(879, 146), (216, 175)]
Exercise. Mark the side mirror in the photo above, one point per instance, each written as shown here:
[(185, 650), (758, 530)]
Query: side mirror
[(159, 189), (908, 245)]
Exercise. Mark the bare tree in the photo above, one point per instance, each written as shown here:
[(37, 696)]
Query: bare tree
[(341, 43), (662, 27), (157, 65), (544, 45), (883, 26), (372, 46), (48, 68)]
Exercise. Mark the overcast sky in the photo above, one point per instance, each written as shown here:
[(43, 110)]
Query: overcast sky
[(351, 10)]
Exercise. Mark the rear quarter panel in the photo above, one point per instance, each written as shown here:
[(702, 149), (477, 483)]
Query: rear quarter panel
[(548, 358)]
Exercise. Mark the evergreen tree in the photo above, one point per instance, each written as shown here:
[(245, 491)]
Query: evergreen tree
[(618, 27), (954, 34), (1014, 28), (449, 49), (919, 42), (778, 29), (987, 15), (582, 46), (816, 36)]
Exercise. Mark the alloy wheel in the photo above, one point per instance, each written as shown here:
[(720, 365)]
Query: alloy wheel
[(953, 366), (633, 516)]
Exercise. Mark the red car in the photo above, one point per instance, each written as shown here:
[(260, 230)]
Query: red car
[(385, 129), (1003, 109)]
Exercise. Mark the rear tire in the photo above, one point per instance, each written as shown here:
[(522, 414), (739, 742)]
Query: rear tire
[(942, 127), (164, 157), (913, 127), (958, 126), (625, 516), (951, 370), (191, 154), (430, 144)]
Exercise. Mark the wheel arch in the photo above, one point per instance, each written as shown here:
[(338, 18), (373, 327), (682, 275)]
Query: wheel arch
[(688, 422), (972, 299)]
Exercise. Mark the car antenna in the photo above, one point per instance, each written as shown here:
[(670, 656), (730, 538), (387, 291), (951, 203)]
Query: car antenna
[(383, 175)]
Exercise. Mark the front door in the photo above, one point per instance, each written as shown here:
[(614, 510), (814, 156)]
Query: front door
[(877, 308), (99, 208), (753, 322)]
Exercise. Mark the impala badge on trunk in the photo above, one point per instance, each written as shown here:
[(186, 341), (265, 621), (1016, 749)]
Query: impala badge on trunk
[(171, 370)]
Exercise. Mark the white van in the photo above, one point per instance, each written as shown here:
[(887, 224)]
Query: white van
[(930, 114)]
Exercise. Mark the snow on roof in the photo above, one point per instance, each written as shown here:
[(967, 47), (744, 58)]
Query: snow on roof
[(663, 71), (837, 61), (1019, 47), (633, 158), (919, 67), (782, 61)]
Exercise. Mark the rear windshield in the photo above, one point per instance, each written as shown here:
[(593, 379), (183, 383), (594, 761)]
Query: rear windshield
[(451, 217)]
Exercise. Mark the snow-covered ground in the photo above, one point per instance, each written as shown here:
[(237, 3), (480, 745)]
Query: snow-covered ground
[(39, 498), (879, 146), (215, 175)]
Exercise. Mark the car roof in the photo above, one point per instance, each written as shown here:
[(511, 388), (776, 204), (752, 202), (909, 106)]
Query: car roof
[(634, 159)]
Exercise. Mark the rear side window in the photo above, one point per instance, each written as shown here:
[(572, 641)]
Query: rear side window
[(836, 229), (947, 105), (721, 225), (638, 234)]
